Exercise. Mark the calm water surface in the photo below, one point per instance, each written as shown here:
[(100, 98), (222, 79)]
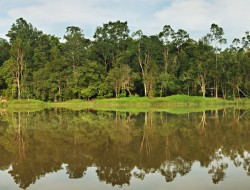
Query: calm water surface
[(64, 149)]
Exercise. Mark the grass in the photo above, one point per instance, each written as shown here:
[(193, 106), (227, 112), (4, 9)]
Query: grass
[(23, 105), (173, 104), (74, 104), (177, 100)]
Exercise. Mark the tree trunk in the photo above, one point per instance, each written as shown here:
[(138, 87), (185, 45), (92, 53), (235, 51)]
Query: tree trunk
[(203, 86), (216, 77), (145, 89), (216, 87), (19, 72), (203, 91), (18, 89)]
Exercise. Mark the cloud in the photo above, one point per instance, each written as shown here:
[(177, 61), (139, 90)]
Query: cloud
[(194, 16), (52, 15), (188, 14)]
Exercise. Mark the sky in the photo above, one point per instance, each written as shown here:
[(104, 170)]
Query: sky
[(194, 16)]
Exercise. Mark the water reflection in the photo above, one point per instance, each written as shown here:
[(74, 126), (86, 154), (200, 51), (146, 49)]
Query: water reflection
[(35, 144)]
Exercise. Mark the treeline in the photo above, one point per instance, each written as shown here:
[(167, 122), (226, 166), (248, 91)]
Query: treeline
[(118, 63)]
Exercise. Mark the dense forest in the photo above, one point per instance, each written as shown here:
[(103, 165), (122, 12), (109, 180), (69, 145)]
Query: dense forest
[(119, 63)]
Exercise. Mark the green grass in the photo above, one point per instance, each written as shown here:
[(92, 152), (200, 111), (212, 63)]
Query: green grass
[(25, 102), (23, 105), (164, 101), (173, 104), (74, 104)]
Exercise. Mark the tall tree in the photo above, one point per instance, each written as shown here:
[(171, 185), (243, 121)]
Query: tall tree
[(166, 36), (110, 42), (149, 58), (75, 50), (75, 46), (22, 38), (166, 78), (199, 65), (216, 39)]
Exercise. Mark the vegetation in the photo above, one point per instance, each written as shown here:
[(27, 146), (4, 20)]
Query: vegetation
[(119, 63)]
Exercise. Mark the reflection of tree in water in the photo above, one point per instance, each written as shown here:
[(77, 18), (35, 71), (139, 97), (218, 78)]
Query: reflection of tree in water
[(241, 159), (139, 174), (116, 143), (77, 168), (217, 167), (203, 123), (145, 143), (20, 145), (235, 157), (170, 169), (114, 175), (246, 162)]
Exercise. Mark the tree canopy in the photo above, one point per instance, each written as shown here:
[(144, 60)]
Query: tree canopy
[(117, 62)]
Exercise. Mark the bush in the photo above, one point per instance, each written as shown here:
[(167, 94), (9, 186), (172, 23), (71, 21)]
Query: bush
[(134, 96)]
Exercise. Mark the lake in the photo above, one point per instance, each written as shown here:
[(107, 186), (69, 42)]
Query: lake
[(88, 149)]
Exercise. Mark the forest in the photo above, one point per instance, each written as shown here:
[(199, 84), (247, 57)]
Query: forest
[(119, 63)]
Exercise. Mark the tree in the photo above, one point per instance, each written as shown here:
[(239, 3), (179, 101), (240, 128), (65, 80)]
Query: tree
[(22, 40), (149, 54), (110, 42), (166, 79), (199, 58), (246, 41), (75, 50), (179, 38), (166, 36), (91, 77), (216, 38), (75, 46), (120, 79)]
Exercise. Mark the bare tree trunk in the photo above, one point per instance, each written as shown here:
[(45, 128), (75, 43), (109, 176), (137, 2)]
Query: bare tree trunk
[(19, 71), (203, 85), (216, 77), (18, 88), (145, 89), (216, 87)]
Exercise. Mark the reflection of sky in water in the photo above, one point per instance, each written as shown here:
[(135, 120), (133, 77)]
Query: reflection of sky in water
[(6, 181), (197, 178)]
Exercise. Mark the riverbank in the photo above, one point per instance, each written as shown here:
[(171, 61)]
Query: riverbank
[(180, 102)]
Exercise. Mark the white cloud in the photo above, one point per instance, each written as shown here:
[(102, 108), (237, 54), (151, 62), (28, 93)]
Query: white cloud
[(188, 14), (194, 16), (54, 16)]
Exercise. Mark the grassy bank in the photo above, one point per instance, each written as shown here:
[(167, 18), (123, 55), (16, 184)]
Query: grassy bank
[(176, 102), (23, 105)]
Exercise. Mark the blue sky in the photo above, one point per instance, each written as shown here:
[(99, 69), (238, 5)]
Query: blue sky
[(194, 16)]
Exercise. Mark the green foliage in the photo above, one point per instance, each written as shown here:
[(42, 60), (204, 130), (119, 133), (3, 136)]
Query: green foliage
[(4, 51), (34, 65)]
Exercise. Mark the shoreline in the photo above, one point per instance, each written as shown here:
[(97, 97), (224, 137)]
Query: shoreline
[(134, 104)]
